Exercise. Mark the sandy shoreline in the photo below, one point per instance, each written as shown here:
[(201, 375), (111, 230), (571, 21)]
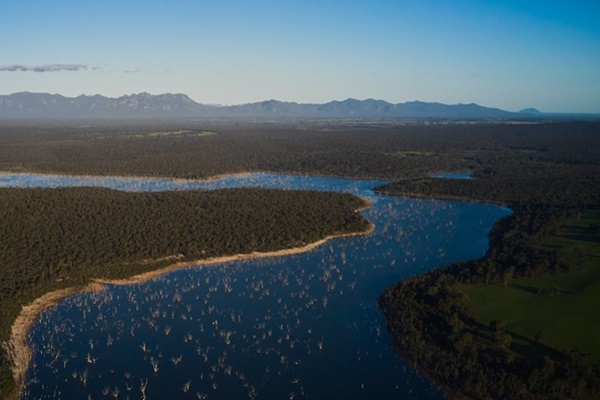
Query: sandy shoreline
[(18, 348)]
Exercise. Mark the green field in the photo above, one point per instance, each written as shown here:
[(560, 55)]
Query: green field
[(563, 307)]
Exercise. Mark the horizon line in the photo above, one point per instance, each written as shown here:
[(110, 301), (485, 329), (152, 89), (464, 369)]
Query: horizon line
[(534, 109), (273, 99)]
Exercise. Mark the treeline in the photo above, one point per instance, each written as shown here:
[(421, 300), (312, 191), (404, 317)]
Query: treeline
[(57, 238), (515, 250), (382, 149), (431, 322), (550, 187), (554, 165)]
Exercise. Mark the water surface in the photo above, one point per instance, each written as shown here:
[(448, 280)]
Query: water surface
[(454, 175), (299, 326)]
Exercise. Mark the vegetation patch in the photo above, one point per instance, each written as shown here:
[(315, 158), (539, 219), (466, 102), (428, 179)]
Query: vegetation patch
[(530, 307)]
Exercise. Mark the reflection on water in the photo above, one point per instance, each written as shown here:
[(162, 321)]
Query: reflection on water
[(299, 326)]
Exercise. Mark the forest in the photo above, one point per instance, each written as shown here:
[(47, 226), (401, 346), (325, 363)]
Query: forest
[(58, 238), (368, 149), (548, 173)]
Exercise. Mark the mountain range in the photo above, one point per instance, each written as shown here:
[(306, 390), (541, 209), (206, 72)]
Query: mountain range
[(146, 106)]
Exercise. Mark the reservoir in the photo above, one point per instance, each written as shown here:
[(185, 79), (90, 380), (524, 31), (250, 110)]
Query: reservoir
[(300, 326)]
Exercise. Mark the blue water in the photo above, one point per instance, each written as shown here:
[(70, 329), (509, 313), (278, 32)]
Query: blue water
[(299, 326), (454, 175)]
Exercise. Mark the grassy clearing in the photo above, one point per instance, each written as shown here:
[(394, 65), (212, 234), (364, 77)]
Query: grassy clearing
[(563, 307)]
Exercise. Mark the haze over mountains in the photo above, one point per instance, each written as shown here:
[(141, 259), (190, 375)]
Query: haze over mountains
[(164, 106)]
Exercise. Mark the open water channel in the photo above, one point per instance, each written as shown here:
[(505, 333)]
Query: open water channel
[(299, 326)]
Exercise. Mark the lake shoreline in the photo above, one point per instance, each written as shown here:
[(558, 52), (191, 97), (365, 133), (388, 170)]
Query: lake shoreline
[(18, 348), (464, 199), (153, 177)]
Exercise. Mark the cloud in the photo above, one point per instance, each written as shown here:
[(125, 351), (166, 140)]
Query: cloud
[(43, 68)]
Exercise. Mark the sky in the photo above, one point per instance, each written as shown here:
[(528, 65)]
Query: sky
[(506, 54)]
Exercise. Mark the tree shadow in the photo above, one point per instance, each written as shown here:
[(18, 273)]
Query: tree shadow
[(528, 289), (542, 291), (530, 348)]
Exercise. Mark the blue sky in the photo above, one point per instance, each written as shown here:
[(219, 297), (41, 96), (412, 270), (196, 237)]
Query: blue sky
[(506, 54)]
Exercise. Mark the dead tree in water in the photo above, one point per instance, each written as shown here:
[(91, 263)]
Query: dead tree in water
[(143, 384)]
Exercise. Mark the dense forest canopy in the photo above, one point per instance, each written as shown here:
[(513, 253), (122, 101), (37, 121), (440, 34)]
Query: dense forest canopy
[(382, 149)]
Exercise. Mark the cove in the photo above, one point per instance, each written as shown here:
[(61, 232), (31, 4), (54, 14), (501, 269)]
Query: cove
[(300, 326)]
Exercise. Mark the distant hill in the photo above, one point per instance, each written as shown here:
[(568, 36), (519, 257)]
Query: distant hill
[(147, 106), (530, 111), (370, 108), (43, 105)]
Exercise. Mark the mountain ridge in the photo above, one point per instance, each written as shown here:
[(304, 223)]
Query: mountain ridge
[(23, 105)]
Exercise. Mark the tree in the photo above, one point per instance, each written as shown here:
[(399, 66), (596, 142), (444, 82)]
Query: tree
[(540, 336), (507, 275), (501, 337)]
